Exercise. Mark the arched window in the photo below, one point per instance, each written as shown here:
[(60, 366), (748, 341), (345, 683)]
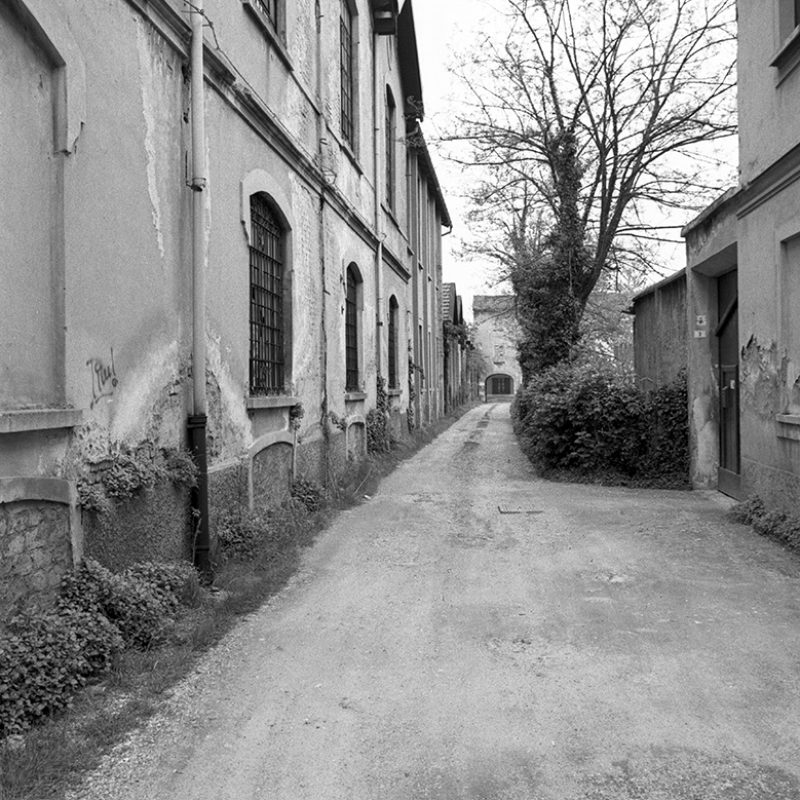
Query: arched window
[(390, 148), (266, 299), (352, 376), (347, 72), (394, 313)]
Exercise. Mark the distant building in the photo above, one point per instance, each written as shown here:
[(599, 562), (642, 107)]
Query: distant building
[(496, 336), (660, 331)]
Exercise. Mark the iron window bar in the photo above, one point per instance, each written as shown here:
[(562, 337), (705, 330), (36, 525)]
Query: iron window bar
[(266, 300)]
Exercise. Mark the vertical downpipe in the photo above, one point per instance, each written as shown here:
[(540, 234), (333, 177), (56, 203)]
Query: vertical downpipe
[(198, 418), (376, 129)]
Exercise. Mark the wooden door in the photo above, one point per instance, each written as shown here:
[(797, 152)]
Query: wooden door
[(727, 334)]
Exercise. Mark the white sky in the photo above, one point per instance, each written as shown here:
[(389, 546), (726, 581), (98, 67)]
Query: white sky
[(443, 25)]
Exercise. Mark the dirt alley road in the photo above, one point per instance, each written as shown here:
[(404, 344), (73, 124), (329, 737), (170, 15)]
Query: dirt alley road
[(472, 633)]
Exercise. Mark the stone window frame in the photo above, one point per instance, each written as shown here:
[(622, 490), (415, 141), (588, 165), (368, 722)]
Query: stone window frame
[(393, 339), (353, 345), (348, 74), (787, 58), (52, 33), (255, 182), (390, 149)]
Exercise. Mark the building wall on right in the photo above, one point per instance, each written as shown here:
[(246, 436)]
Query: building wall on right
[(743, 277)]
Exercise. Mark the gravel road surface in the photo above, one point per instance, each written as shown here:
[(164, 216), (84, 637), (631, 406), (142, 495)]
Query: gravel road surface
[(473, 633)]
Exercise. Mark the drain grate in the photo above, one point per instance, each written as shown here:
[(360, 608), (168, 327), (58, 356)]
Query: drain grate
[(517, 510)]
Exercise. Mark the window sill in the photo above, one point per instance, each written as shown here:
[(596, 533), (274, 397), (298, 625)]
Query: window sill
[(39, 419), (788, 57), (270, 33), (348, 150), (788, 426), (395, 392), (256, 402), (354, 397)]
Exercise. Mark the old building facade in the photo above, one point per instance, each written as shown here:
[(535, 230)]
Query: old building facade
[(743, 281), (314, 273), (496, 335)]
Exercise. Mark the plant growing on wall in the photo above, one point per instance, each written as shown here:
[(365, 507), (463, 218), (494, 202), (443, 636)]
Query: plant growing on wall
[(378, 437), (124, 472)]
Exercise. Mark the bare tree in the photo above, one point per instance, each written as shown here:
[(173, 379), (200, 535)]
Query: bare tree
[(587, 119)]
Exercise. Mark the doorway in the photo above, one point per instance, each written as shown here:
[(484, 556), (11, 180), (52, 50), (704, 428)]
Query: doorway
[(727, 335)]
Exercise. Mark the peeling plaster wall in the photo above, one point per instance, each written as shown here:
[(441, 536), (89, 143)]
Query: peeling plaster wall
[(126, 252), (126, 226)]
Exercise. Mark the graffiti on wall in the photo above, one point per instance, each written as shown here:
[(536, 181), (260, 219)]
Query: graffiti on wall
[(104, 378)]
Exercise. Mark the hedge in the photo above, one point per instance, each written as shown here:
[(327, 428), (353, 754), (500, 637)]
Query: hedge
[(46, 656), (594, 422)]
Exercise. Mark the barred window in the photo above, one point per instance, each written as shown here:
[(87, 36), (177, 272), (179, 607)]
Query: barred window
[(352, 382), (266, 299), (390, 148), (346, 67), (394, 312), (269, 8)]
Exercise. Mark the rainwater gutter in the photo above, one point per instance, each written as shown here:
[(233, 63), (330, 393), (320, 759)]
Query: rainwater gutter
[(378, 227), (199, 408)]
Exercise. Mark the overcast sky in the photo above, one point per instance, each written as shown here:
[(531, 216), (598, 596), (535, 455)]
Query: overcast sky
[(442, 26)]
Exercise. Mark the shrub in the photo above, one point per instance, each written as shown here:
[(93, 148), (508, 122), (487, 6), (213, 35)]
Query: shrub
[(46, 657), (172, 584), (309, 493), (590, 420), (125, 602)]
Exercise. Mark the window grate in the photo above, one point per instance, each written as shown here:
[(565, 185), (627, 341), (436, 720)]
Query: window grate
[(351, 334), (393, 311), (389, 149), (346, 67), (266, 300), (269, 8)]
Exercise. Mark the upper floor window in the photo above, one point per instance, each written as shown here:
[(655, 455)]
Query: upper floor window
[(394, 313), (269, 8), (390, 147), (352, 374), (267, 240), (346, 58)]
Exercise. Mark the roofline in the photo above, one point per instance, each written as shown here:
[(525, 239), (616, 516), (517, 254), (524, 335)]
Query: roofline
[(681, 273), (421, 146), (408, 55), (710, 210)]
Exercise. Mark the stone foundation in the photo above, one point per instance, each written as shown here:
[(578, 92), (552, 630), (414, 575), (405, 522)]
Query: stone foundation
[(35, 551), (153, 526)]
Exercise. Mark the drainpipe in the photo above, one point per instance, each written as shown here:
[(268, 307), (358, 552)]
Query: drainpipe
[(198, 417), (378, 219)]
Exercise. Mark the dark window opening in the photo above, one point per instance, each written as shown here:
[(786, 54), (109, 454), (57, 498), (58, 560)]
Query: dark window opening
[(351, 333), (266, 300), (394, 310), (346, 67), (269, 8), (500, 384), (390, 149)]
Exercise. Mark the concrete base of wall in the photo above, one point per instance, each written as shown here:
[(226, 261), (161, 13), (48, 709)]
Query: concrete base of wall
[(35, 551), (153, 526), (780, 490)]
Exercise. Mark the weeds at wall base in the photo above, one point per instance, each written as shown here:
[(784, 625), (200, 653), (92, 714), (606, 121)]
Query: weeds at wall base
[(44, 762)]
